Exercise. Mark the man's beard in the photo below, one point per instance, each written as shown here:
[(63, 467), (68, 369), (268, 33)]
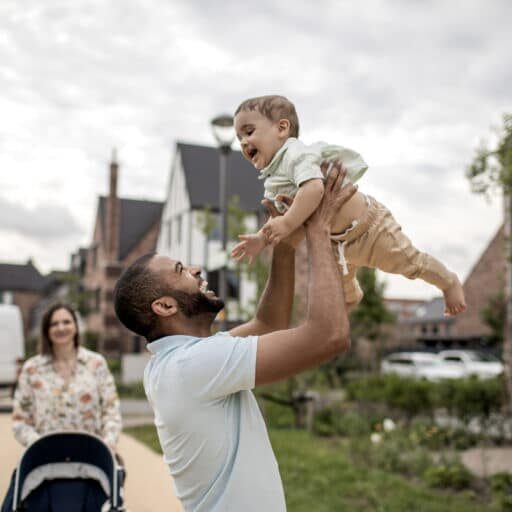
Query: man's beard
[(193, 304)]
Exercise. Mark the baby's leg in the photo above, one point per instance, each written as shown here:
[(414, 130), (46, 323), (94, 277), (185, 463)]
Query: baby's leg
[(387, 248)]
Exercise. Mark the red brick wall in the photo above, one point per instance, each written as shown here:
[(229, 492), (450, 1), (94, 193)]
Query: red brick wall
[(26, 302), (114, 337), (485, 280)]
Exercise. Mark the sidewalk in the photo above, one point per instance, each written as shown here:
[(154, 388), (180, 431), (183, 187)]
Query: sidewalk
[(148, 485), (485, 462)]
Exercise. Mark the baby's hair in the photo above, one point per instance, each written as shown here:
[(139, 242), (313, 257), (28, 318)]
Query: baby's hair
[(273, 107)]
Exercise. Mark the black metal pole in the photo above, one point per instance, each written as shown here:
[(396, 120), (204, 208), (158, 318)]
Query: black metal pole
[(223, 198)]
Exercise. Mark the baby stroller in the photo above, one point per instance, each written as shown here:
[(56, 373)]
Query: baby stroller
[(68, 472)]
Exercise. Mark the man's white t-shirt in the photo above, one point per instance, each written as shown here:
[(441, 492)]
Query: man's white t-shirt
[(209, 424)]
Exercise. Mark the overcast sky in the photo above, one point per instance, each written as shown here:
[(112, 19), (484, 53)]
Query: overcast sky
[(414, 86)]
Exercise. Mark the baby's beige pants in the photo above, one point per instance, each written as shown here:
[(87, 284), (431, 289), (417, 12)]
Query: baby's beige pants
[(376, 240)]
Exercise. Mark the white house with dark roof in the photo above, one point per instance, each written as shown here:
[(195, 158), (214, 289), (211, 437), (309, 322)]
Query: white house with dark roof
[(194, 188)]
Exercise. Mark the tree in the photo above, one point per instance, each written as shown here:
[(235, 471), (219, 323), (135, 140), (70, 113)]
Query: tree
[(77, 294), (491, 171), (367, 319), (493, 315), (207, 221)]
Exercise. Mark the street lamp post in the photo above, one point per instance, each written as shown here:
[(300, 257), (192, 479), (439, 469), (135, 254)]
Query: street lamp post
[(222, 127)]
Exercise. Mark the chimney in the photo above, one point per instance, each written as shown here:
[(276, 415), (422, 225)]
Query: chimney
[(114, 168), (112, 213)]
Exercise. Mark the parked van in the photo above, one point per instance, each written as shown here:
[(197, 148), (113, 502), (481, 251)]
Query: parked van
[(12, 343)]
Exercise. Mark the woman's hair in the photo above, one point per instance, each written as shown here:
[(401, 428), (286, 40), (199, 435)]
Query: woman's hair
[(273, 107), (45, 345)]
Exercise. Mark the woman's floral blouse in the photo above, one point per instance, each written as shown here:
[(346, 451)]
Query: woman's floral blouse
[(44, 403)]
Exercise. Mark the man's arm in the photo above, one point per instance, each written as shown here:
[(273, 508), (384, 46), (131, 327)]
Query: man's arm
[(275, 306), (325, 332)]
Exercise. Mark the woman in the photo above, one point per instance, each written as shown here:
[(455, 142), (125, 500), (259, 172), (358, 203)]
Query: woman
[(66, 386)]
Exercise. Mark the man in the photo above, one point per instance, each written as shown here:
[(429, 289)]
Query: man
[(210, 428)]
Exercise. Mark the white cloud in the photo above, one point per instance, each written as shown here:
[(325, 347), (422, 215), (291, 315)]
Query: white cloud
[(412, 85)]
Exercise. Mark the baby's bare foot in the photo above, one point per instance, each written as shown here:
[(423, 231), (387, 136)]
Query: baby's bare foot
[(455, 302)]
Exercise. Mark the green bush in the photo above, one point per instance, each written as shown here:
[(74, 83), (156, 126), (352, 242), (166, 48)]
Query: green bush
[(91, 339), (437, 438), (464, 398), (411, 396), (501, 486), (452, 475), (501, 483), (277, 415), (335, 421), (114, 365), (134, 391), (396, 454), (474, 397)]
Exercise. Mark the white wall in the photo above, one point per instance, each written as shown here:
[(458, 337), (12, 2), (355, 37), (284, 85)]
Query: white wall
[(191, 248)]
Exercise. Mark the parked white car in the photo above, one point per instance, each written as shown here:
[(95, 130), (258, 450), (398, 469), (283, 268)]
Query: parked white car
[(420, 365), (448, 364), (471, 363)]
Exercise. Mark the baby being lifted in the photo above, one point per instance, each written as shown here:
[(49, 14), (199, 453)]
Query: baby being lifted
[(364, 232)]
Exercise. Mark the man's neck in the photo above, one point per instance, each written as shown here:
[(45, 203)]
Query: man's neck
[(199, 326)]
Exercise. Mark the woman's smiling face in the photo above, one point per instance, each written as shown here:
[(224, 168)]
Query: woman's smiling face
[(62, 329)]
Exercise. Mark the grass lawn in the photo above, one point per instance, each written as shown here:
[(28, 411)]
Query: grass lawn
[(319, 475)]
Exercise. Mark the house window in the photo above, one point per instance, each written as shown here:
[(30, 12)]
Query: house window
[(169, 233), (233, 280), (97, 299), (94, 257), (179, 219)]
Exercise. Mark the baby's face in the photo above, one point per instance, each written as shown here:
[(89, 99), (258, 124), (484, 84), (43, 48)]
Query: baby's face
[(260, 138)]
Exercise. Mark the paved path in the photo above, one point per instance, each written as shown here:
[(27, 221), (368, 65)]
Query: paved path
[(148, 485), (488, 461)]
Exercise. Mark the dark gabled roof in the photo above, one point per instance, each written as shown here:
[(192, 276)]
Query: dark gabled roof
[(21, 277), (201, 168), (55, 278), (136, 218)]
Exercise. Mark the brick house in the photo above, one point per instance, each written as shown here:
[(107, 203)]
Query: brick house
[(486, 280), (124, 230), (24, 286)]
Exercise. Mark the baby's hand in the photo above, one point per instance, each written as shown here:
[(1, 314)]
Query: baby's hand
[(250, 246), (276, 229)]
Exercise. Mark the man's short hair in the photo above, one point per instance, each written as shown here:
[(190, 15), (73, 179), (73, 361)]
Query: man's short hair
[(134, 292), (273, 107)]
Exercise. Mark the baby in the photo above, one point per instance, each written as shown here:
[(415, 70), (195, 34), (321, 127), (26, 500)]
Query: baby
[(364, 233)]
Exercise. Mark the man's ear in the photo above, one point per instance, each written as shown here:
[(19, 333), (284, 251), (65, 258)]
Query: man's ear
[(284, 127), (164, 306)]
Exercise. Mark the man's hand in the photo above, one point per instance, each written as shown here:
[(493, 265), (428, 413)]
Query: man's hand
[(335, 196)]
